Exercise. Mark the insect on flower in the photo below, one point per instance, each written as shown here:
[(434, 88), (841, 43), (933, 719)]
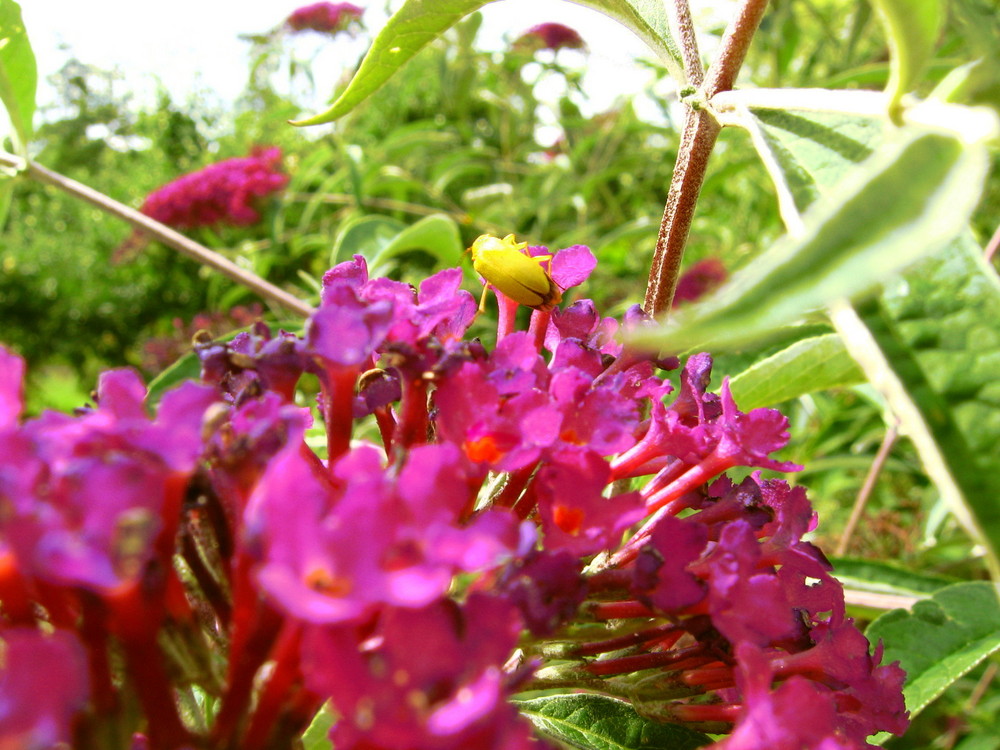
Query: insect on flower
[(521, 277)]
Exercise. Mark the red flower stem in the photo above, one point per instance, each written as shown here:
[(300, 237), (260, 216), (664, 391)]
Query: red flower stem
[(697, 475), (701, 130), (624, 641), (538, 326), (272, 702), (94, 634), (386, 426), (144, 662), (339, 412), (506, 316), (660, 501), (411, 429), (163, 233), (17, 606), (255, 626), (726, 713)]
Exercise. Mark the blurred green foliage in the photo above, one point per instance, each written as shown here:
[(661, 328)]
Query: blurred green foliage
[(455, 134)]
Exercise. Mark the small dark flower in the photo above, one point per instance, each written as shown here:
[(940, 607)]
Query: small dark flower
[(222, 193), (554, 36), (328, 18), (700, 279)]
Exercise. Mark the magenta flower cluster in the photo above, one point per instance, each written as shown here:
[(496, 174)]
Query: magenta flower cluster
[(228, 192), (554, 36), (548, 515), (328, 18)]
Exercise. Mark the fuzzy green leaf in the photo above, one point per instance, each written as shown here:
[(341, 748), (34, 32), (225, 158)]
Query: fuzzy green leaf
[(913, 27), (18, 73), (931, 345), (419, 22), (810, 365), (886, 578), (940, 640), (906, 201), (596, 722)]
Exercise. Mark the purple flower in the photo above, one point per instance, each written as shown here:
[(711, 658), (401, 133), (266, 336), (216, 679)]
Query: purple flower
[(43, 685), (426, 679), (328, 18), (547, 588), (700, 279), (334, 549), (582, 521), (554, 36), (11, 388), (89, 496), (798, 713), (224, 193), (520, 498)]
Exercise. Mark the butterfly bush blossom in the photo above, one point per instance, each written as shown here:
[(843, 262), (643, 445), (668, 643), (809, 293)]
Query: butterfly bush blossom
[(554, 36), (548, 515), (227, 192), (328, 18)]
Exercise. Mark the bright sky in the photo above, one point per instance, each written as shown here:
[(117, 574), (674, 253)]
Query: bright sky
[(193, 46)]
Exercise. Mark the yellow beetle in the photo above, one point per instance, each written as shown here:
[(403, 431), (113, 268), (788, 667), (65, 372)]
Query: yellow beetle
[(516, 275)]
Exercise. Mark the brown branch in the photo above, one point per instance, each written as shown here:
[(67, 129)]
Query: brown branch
[(697, 141), (163, 233), (866, 488), (992, 246), (693, 70)]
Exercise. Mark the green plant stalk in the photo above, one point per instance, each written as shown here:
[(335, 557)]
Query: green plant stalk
[(161, 232), (701, 130)]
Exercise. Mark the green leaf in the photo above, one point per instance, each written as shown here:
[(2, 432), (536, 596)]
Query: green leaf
[(810, 153), (437, 235), (18, 73), (6, 195), (414, 25), (810, 365), (931, 346), (316, 737), (930, 343), (187, 367), (419, 22), (906, 201), (886, 578), (365, 235), (913, 27), (648, 20), (596, 722), (940, 640)]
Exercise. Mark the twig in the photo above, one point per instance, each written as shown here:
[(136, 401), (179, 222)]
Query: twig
[(700, 133), (866, 488), (163, 233), (878, 600), (959, 727), (693, 70), (697, 141), (992, 246)]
